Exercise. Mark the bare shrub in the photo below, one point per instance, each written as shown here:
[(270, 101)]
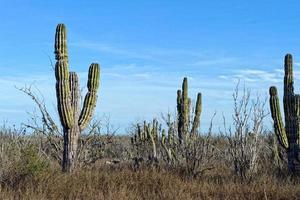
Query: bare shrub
[(20, 156), (245, 134), (201, 152), (97, 142)]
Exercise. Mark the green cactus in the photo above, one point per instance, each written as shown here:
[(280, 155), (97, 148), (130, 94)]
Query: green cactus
[(183, 113), (148, 135), (68, 98), (288, 134), (186, 134)]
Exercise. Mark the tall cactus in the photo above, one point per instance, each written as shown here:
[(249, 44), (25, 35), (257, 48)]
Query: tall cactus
[(68, 98), (183, 112), (288, 134), (187, 129)]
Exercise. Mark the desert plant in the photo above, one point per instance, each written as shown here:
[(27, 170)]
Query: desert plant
[(20, 156), (245, 134), (97, 142), (68, 99), (145, 142), (179, 143), (186, 147), (288, 133), (44, 125), (183, 113)]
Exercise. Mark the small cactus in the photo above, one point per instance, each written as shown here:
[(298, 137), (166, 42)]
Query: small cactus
[(149, 134), (68, 98), (288, 133)]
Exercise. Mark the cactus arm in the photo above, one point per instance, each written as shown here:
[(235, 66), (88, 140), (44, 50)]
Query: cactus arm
[(60, 45), (88, 109), (288, 75), (74, 88), (276, 116), (145, 131), (297, 105), (93, 77), (63, 94), (185, 105), (179, 115), (91, 96), (139, 133), (148, 130), (198, 110), (151, 136), (179, 99), (163, 143), (156, 130), (294, 139), (171, 134)]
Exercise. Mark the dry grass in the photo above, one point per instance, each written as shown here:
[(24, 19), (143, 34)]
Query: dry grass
[(124, 183), (29, 171)]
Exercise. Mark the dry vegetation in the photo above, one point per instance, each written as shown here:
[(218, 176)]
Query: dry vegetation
[(124, 183), (243, 161), (29, 171)]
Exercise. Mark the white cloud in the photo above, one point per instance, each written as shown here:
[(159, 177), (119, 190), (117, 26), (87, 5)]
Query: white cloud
[(257, 76)]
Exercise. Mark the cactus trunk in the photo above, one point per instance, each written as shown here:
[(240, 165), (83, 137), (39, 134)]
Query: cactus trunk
[(71, 136)]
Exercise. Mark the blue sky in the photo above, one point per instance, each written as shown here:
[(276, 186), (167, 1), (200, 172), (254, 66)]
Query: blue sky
[(145, 48)]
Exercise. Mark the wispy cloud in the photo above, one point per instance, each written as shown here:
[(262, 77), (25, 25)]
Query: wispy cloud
[(254, 75)]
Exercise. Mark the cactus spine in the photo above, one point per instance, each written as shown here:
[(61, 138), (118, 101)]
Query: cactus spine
[(183, 113), (68, 98), (288, 135)]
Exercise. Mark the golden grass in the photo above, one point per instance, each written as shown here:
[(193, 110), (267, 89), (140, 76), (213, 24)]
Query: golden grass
[(124, 183)]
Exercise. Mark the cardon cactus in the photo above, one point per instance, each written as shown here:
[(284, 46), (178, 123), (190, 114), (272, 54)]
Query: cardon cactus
[(183, 113), (179, 137), (187, 129), (72, 118), (288, 132)]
